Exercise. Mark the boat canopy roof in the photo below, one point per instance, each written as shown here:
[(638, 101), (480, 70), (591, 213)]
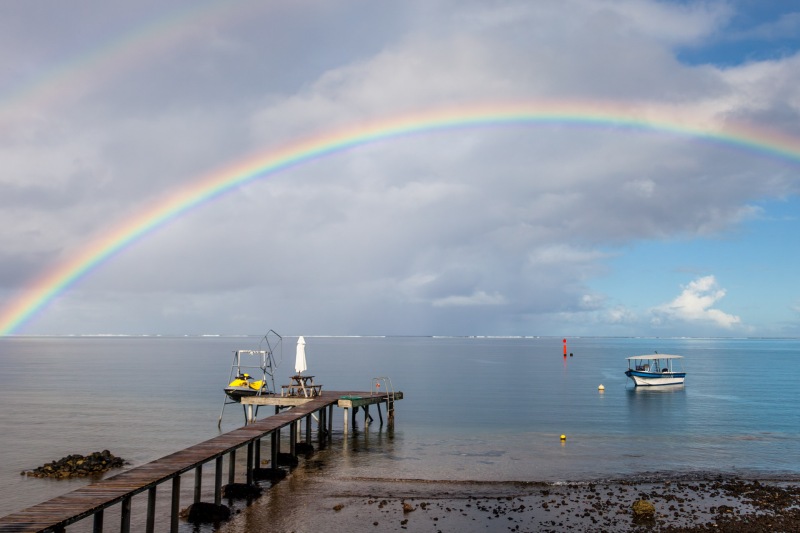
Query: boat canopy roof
[(655, 356)]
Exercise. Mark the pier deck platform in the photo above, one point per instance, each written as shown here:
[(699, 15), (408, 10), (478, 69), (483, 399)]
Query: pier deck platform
[(57, 513), (343, 399)]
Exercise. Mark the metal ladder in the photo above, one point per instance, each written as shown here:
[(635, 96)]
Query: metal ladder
[(388, 391)]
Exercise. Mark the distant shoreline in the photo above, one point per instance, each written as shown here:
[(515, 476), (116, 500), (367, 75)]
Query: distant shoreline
[(376, 336)]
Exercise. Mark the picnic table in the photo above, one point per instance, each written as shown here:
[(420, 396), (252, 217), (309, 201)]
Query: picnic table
[(301, 385)]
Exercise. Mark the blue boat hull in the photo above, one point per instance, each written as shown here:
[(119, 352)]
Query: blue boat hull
[(652, 379)]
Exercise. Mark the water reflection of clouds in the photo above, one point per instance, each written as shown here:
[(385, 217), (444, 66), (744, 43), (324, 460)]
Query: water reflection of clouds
[(488, 362), (724, 397), (489, 453), (613, 374), (657, 409)]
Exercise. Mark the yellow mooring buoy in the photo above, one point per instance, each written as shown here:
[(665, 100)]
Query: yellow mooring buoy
[(563, 437), (601, 388)]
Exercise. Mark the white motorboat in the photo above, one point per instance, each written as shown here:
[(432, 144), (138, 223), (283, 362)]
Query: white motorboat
[(655, 369)]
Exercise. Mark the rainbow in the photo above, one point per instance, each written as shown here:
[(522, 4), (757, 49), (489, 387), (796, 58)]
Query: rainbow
[(57, 280), (85, 72)]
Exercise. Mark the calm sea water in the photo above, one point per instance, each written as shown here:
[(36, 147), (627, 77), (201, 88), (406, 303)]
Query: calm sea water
[(474, 408)]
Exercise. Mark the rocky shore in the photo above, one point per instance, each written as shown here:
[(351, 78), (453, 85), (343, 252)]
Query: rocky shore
[(732, 505), (77, 466), (719, 504)]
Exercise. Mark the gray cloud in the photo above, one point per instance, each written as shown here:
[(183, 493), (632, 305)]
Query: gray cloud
[(469, 231)]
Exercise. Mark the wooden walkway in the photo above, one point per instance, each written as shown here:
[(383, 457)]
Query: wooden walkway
[(57, 513)]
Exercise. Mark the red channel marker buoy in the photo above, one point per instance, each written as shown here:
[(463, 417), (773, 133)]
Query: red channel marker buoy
[(565, 347)]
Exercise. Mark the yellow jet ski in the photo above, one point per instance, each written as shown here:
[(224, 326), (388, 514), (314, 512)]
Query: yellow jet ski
[(244, 385), (261, 363)]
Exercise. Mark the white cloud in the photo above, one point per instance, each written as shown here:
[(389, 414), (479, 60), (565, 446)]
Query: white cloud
[(621, 315), (695, 304)]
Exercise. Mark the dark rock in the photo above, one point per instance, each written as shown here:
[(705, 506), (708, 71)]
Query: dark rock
[(241, 490), (304, 448), (268, 474), (207, 513), (287, 459), (78, 466)]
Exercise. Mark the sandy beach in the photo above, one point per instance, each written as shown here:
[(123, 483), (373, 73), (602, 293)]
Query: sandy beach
[(715, 504)]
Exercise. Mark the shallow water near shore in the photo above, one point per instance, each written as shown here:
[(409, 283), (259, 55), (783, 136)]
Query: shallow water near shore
[(475, 409)]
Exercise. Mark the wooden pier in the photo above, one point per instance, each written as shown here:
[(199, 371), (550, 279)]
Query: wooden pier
[(56, 514)]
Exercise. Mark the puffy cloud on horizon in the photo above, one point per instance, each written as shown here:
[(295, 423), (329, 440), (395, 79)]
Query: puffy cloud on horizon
[(695, 304)]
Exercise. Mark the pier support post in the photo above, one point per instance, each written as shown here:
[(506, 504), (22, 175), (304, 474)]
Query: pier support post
[(346, 417), (329, 418), (218, 481), (97, 526), (232, 467), (198, 482), (125, 516), (150, 523), (308, 429), (276, 447), (257, 462), (176, 504), (250, 463), (293, 438)]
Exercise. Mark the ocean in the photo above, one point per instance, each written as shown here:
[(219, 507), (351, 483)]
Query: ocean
[(475, 409)]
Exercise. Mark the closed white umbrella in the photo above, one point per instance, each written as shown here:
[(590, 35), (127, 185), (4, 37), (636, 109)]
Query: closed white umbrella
[(300, 360)]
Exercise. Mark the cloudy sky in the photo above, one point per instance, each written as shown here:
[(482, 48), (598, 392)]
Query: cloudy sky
[(544, 228)]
